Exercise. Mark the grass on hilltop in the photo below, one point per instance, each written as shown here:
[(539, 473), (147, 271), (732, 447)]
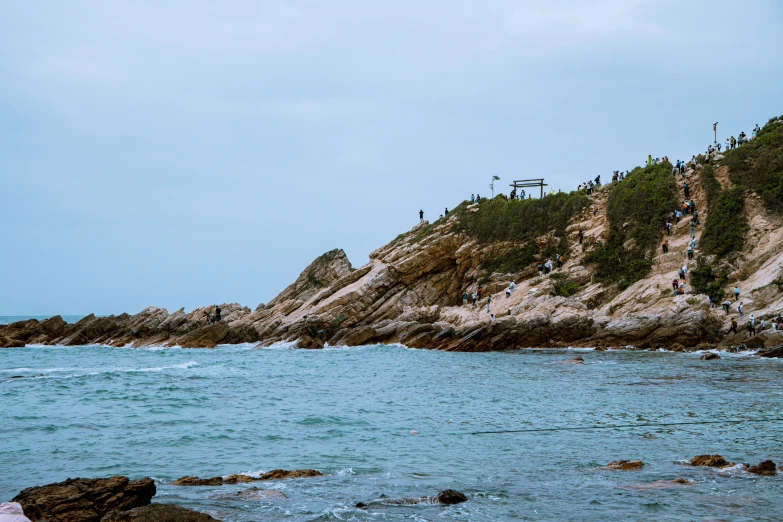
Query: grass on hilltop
[(758, 165)]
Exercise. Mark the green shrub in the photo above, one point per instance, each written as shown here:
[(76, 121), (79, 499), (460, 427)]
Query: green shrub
[(558, 275), (566, 287), (758, 165), (712, 187), (708, 279), (502, 220), (693, 301), (726, 226), (637, 209), (511, 262)]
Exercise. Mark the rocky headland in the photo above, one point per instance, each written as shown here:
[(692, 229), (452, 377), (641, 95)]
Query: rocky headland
[(613, 290)]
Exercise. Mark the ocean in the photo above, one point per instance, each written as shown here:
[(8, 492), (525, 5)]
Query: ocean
[(96, 411)]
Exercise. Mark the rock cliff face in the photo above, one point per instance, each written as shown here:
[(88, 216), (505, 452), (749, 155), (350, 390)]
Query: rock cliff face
[(411, 291)]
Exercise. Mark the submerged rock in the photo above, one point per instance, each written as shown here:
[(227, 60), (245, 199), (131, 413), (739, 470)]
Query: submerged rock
[(158, 513), (446, 497), (765, 467), (714, 461), (574, 360), (192, 480), (709, 356), (253, 493), (625, 465), (83, 499), (661, 484)]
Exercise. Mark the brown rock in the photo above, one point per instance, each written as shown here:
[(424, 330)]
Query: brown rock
[(192, 480), (158, 513), (709, 356), (233, 479), (715, 461), (450, 496), (765, 467), (9, 342), (84, 500), (305, 341), (276, 474), (774, 351), (625, 465)]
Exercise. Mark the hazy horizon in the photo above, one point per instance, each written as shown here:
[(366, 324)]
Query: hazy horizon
[(186, 154)]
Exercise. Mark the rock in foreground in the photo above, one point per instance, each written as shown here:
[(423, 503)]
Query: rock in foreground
[(709, 356), (714, 461), (85, 500), (158, 513)]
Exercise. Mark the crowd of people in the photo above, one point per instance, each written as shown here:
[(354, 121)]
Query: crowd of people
[(686, 208)]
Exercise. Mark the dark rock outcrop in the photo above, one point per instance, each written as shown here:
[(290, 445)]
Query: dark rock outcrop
[(192, 480), (625, 465), (715, 461), (276, 474), (709, 356), (765, 467), (85, 500), (158, 513), (774, 351)]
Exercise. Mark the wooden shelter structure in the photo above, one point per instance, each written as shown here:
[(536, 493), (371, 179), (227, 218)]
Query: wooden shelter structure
[(528, 183)]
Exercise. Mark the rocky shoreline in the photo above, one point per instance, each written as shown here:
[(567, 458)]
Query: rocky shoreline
[(119, 499), (411, 292)]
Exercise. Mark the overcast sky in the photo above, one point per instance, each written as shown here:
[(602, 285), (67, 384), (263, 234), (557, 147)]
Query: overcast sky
[(182, 153)]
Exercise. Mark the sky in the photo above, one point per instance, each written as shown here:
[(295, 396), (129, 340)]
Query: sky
[(186, 153)]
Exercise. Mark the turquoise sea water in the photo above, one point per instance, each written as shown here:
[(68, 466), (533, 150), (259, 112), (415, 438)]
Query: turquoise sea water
[(165, 413)]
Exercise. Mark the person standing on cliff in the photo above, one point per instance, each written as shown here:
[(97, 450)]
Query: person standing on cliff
[(472, 198), (665, 246), (741, 310), (752, 325), (421, 216), (736, 293), (217, 313), (733, 327)]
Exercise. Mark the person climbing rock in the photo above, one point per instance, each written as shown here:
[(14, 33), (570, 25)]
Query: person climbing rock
[(686, 190), (581, 236), (421, 216), (668, 227), (693, 229), (741, 310), (665, 246), (736, 293), (559, 259), (713, 302), (752, 325), (695, 217), (473, 295), (489, 302), (690, 252), (733, 327), (540, 269), (726, 304), (464, 299)]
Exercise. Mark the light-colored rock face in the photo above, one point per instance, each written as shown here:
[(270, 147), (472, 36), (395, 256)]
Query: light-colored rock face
[(411, 292)]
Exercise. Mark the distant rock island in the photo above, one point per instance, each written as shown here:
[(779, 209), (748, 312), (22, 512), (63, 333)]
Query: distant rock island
[(615, 287)]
